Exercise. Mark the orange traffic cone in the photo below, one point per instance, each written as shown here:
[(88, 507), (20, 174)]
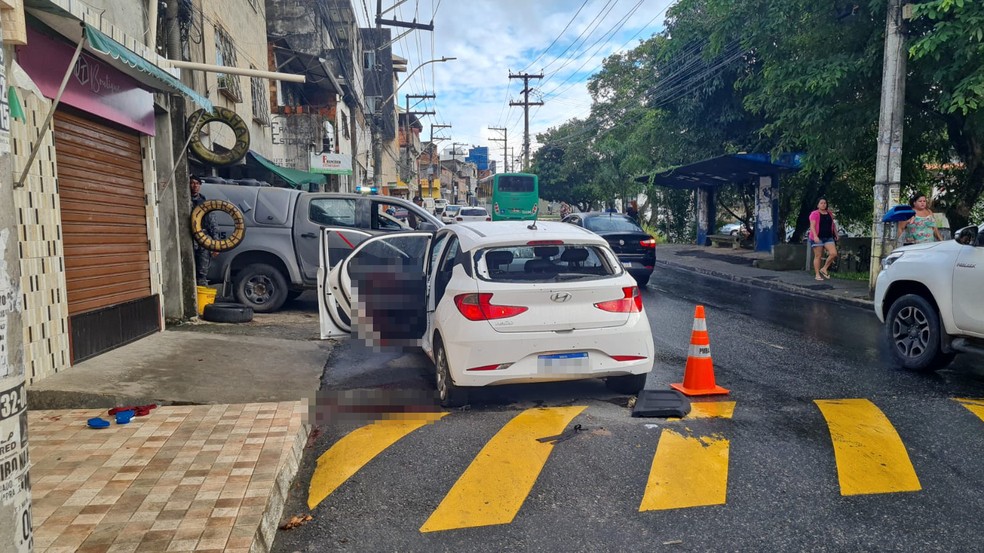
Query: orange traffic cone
[(698, 377)]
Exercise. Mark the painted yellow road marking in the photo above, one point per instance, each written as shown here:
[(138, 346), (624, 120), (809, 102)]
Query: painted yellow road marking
[(493, 487), (975, 406), (357, 448), (690, 471), (870, 455)]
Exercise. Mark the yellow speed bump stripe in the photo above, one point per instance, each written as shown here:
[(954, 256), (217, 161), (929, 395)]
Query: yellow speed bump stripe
[(975, 406), (871, 457), (357, 448), (690, 471), (493, 487)]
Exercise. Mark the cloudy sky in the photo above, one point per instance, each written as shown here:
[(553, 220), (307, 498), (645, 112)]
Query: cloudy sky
[(565, 40)]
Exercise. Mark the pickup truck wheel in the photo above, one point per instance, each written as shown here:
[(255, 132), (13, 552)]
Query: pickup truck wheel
[(261, 287), (913, 327)]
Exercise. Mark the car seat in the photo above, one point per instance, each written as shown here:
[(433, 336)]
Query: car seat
[(574, 257), (496, 259)]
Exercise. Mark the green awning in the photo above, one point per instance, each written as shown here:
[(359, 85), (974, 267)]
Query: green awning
[(106, 45), (294, 177)]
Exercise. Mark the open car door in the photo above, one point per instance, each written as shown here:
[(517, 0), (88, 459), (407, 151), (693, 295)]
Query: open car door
[(377, 290)]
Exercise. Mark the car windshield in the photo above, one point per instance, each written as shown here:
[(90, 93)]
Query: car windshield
[(522, 263), (480, 211), (619, 223), (452, 208)]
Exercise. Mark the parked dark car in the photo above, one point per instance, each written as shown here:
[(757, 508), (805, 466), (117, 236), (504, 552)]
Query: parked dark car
[(635, 248)]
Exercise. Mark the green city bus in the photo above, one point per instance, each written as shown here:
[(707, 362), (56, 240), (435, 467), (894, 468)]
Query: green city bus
[(515, 196)]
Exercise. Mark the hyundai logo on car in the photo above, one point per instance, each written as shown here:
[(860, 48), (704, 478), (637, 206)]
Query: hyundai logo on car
[(560, 297)]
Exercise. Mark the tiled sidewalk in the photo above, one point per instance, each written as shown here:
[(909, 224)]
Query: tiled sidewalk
[(186, 478)]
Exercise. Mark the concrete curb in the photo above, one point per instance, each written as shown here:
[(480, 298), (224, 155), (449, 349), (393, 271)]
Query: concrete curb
[(770, 284), (266, 533)]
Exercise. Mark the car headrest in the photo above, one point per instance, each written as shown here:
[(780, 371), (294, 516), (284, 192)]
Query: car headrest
[(540, 265), (574, 255), (498, 258), (546, 251)]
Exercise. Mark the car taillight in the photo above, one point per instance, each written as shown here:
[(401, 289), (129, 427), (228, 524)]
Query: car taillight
[(651, 243), (479, 307), (628, 357), (495, 207), (631, 303), (488, 218)]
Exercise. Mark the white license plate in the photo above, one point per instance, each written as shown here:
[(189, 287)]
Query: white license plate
[(563, 362), (627, 264)]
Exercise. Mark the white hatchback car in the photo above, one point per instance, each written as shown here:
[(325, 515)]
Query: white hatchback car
[(469, 214), (491, 303)]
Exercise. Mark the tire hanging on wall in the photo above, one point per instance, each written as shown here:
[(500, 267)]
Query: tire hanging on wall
[(227, 117), (217, 244)]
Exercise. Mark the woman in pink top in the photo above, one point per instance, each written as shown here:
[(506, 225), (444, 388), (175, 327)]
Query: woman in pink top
[(823, 236)]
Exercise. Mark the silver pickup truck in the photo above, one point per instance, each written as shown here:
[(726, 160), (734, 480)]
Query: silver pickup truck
[(278, 257)]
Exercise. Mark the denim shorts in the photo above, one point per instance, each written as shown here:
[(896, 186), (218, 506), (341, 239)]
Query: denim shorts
[(821, 242)]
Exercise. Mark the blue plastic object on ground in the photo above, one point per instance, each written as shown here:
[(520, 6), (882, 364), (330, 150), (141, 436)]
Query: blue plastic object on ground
[(97, 422), (124, 417)]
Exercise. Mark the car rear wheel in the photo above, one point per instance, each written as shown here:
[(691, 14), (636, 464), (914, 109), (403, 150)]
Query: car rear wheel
[(630, 384), (449, 394), (913, 327)]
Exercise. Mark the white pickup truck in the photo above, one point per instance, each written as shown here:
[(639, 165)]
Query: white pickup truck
[(931, 299)]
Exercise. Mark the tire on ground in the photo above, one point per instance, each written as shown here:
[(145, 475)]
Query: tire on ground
[(227, 313), (628, 384), (209, 242), (913, 332), (227, 117), (261, 287)]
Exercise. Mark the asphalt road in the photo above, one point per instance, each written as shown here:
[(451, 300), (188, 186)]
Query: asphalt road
[(829, 448)]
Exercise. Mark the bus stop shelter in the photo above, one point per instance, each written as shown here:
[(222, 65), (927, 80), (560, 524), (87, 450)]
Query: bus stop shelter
[(709, 175)]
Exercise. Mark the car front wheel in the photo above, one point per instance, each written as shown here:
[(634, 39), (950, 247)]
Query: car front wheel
[(913, 327), (449, 394)]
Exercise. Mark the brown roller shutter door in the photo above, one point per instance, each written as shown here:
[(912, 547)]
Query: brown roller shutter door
[(103, 214)]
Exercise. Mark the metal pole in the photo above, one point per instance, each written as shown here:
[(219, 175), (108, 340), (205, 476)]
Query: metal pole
[(888, 167), (51, 111), (16, 532)]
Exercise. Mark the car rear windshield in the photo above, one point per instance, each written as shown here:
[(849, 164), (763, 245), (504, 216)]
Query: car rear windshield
[(524, 263), (515, 184), (474, 211), (617, 223)]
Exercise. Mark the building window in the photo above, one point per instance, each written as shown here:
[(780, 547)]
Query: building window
[(261, 113), (345, 125), (371, 103), (225, 54), (369, 59)]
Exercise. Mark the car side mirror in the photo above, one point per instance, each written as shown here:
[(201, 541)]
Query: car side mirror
[(426, 226), (969, 236)]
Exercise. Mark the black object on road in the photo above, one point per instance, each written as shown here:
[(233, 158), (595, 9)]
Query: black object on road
[(661, 403), (227, 312)]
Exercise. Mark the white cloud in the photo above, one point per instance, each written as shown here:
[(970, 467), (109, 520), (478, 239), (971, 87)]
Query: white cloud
[(491, 38)]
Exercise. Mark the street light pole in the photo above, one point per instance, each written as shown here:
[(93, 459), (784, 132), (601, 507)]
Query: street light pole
[(377, 152)]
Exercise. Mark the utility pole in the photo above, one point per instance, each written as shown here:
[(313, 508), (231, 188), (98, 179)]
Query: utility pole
[(408, 164), (435, 166), (15, 483), (505, 146), (377, 146), (526, 111), (888, 166), (454, 169)]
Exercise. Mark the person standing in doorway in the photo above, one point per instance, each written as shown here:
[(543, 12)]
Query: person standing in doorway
[(823, 237), (921, 227), (203, 257)]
